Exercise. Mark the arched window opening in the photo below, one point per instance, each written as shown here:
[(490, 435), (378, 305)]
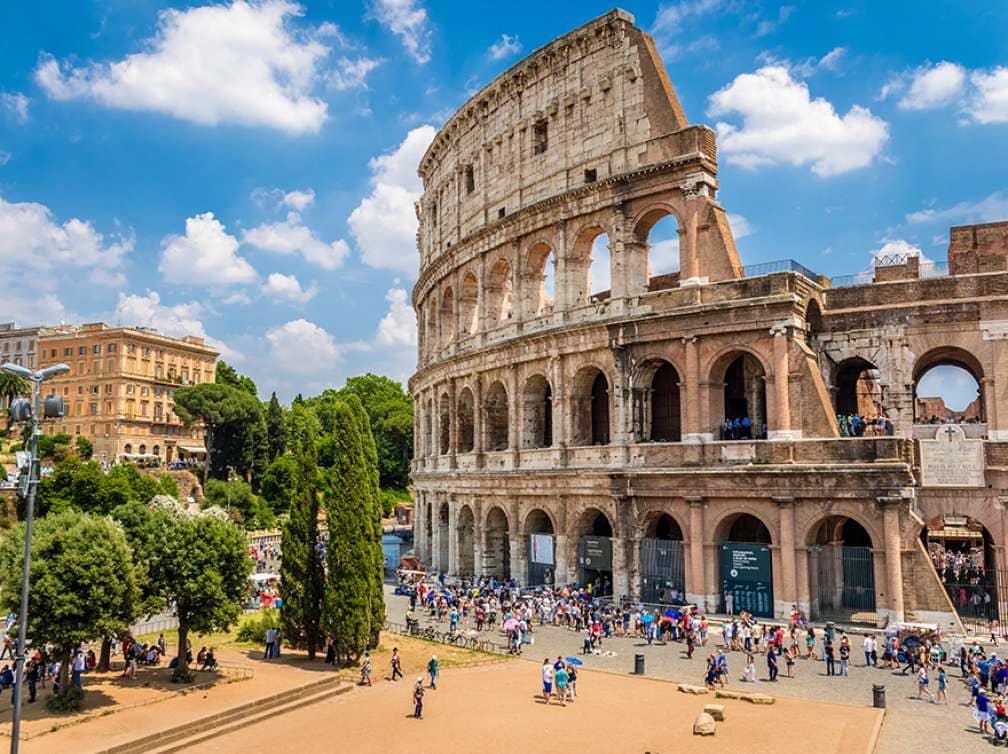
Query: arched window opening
[(444, 424), (813, 321), (541, 271), (662, 562), (429, 429), (469, 305), (600, 270), (600, 410), (466, 434), (447, 317), (841, 567), (948, 393), (748, 528), (496, 421), (663, 253), (465, 529), (590, 406), (143, 450), (744, 400), (541, 548), (497, 551), (499, 293), (859, 399), (962, 552), (537, 430), (665, 405), (444, 532)]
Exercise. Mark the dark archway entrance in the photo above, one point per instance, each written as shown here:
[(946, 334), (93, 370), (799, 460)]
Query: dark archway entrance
[(962, 553), (541, 549), (600, 410), (841, 565), (497, 547), (744, 399), (665, 406), (662, 564)]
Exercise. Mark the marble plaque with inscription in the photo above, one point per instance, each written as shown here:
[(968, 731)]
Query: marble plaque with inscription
[(952, 463)]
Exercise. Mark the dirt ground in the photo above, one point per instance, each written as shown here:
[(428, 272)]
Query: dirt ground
[(480, 708)]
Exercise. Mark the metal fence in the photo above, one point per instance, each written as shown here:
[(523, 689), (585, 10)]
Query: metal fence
[(845, 584), (928, 269), (662, 568), (979, 600), (779, 265), (461, 639)]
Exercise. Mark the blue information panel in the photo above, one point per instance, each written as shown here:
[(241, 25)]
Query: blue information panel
[(746, 574)]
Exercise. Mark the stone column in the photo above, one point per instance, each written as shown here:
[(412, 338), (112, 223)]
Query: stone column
[(435, 558), (633, 562), (692, 432), (779, 426), (478, 569), (620, 582), (994, 431), (802, 580), (689, 267), (518, 285), (514, 399), (561, 569), (419, 519), (452, 425), (452, 536), (514, 553), (813, 575), (696, 587), (789, 593), (894, 563), (478, 445)]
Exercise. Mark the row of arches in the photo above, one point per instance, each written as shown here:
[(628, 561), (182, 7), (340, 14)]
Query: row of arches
[(449, 314), (841, 563)]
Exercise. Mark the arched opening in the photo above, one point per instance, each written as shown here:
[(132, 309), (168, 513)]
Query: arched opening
[(128, 449), (595, 555), (590, 404), (947, 388), (744, 398), (443, 533), (466, 413), (496, 418), (469, 305), (841, 571), (447, 316), (537, 413), (666, 410), (746, 566), (465, 529), (499, 293), (600, 269), (444, 424), (659, 230), (858, 397), (662, 562), (813, 321), (962, 552), (429, 428), (541, 548), (497, 549), (156, 450), (430, 325), (143, 450), (541, 276)]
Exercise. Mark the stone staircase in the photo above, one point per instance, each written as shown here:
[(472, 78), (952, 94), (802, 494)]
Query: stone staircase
[(227, 721)]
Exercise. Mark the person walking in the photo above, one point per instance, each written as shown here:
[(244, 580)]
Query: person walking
[(844, 655), (432, 671), (922, 683), (270, 641), (942, 696), (828, 653), (868, 645), (418, 695), (31, 675), (547, 680), (365, 670), (771, 658), (560, 677), (396, 664)]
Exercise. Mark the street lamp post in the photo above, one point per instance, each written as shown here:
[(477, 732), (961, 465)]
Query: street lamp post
[(33, 412)]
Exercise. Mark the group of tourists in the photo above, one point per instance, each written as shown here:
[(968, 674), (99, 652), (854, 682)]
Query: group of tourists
[(855, 425), (935, 419), (563, 675), (742, 428)]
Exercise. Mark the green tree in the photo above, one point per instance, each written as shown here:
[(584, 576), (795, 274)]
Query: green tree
[(302, 581), (276, 428), (202, 568), (82, 583), (12, 386), (227, 375), (84, 448), (223, 411), (243, 504), (278, 483), (347, 611), (390, 410)]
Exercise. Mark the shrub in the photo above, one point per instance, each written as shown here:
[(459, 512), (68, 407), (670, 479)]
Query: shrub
[(253, 629), (70, 701)]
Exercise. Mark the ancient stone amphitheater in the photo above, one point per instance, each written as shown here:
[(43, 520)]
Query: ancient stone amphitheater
[(570, 434)]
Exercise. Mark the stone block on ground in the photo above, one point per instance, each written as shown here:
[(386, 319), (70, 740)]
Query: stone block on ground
[(703, 725), (715, 710), (688, 689), (726, 694), (761, 699)]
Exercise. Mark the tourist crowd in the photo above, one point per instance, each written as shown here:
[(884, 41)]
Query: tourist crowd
[(855, 425)]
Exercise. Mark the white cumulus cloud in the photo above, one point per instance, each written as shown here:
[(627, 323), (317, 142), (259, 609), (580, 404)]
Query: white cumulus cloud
[(399, 325), (32, 239), (298, 199), (933, 86), (991, 208), (282, 287), (351, 73), (893, 249), (408, 20), (302, 346), (782, 123), (384, 224), (207, 255), (291, 236), (505, 47), (16, 104), (989, 102), (740, 225), (239, 63)]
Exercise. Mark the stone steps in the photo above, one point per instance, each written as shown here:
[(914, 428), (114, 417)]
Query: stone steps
[(187, 734)]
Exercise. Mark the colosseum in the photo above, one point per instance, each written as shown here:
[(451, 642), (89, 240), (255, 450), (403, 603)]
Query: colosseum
[(736, 437)]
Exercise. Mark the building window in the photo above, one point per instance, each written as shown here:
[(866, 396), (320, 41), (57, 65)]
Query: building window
[(93, 409), (144, 390), (591, 175), (540, 137), (77, 429), (68, 351), (131, 348), (158, 391), (94, 390), (129, 389), (158, 372), (185, 376), (96, 348), (108, 389), (470, 179), (143, 408), (111, 347), (146, 352), (81, 350)]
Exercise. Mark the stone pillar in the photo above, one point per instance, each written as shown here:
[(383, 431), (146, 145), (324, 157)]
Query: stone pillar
[(478, 569), (561, 569), (435, 559), (692, 431), (813, 576), (802, 580), (894, 563), (633, 562), (478, 445), (452, 425), (514, 401), (432, 409), (452, 536), (994, 430), (419, 525), (514, 553), (620, 582), (779, 426), (788, 591), (689, 267), (696, 587)]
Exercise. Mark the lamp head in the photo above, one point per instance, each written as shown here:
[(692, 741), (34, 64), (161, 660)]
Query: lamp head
[(52, 371), (20, 371)]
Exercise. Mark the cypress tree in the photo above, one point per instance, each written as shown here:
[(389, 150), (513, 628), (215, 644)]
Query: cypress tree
[(302, 582), (349, 592), (276, 428), (374, 494)]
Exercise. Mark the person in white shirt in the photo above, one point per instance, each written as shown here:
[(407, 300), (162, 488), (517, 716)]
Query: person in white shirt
[(869, 648)]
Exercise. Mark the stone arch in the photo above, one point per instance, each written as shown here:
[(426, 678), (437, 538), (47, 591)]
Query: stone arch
[(499, 291), (538, 521), (658, 229), (591, 404), (128, 448), (857, 386), (465, 530), (446, 316), (590, 242), (465, 412), (469, 305), (661, 524), (737, 377), (952, 359), (540, 274), (495, 422), (142, 450), (537, 413), (742, 533), (662, 558), (594, 531), (444, 424), (444, 532), (497, 544), (538, 541), (428, 419), (659, 417), (843, 569), (725, 526), (813, 319)]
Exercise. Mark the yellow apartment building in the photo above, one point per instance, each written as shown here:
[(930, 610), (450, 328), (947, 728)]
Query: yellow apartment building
[(120, 389)]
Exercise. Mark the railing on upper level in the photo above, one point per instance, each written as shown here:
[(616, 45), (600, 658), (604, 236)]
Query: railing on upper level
[(972, 430), (928, 269), (780, 265)]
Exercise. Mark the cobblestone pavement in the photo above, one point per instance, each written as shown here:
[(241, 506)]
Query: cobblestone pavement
[(911, 725)]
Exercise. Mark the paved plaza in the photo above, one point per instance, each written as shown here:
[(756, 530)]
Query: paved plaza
[(908, 721)]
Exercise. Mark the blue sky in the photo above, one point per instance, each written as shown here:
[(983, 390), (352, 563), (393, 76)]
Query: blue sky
[(247, 171)]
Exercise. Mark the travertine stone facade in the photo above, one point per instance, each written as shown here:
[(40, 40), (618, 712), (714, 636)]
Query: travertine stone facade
[(543, 407)]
